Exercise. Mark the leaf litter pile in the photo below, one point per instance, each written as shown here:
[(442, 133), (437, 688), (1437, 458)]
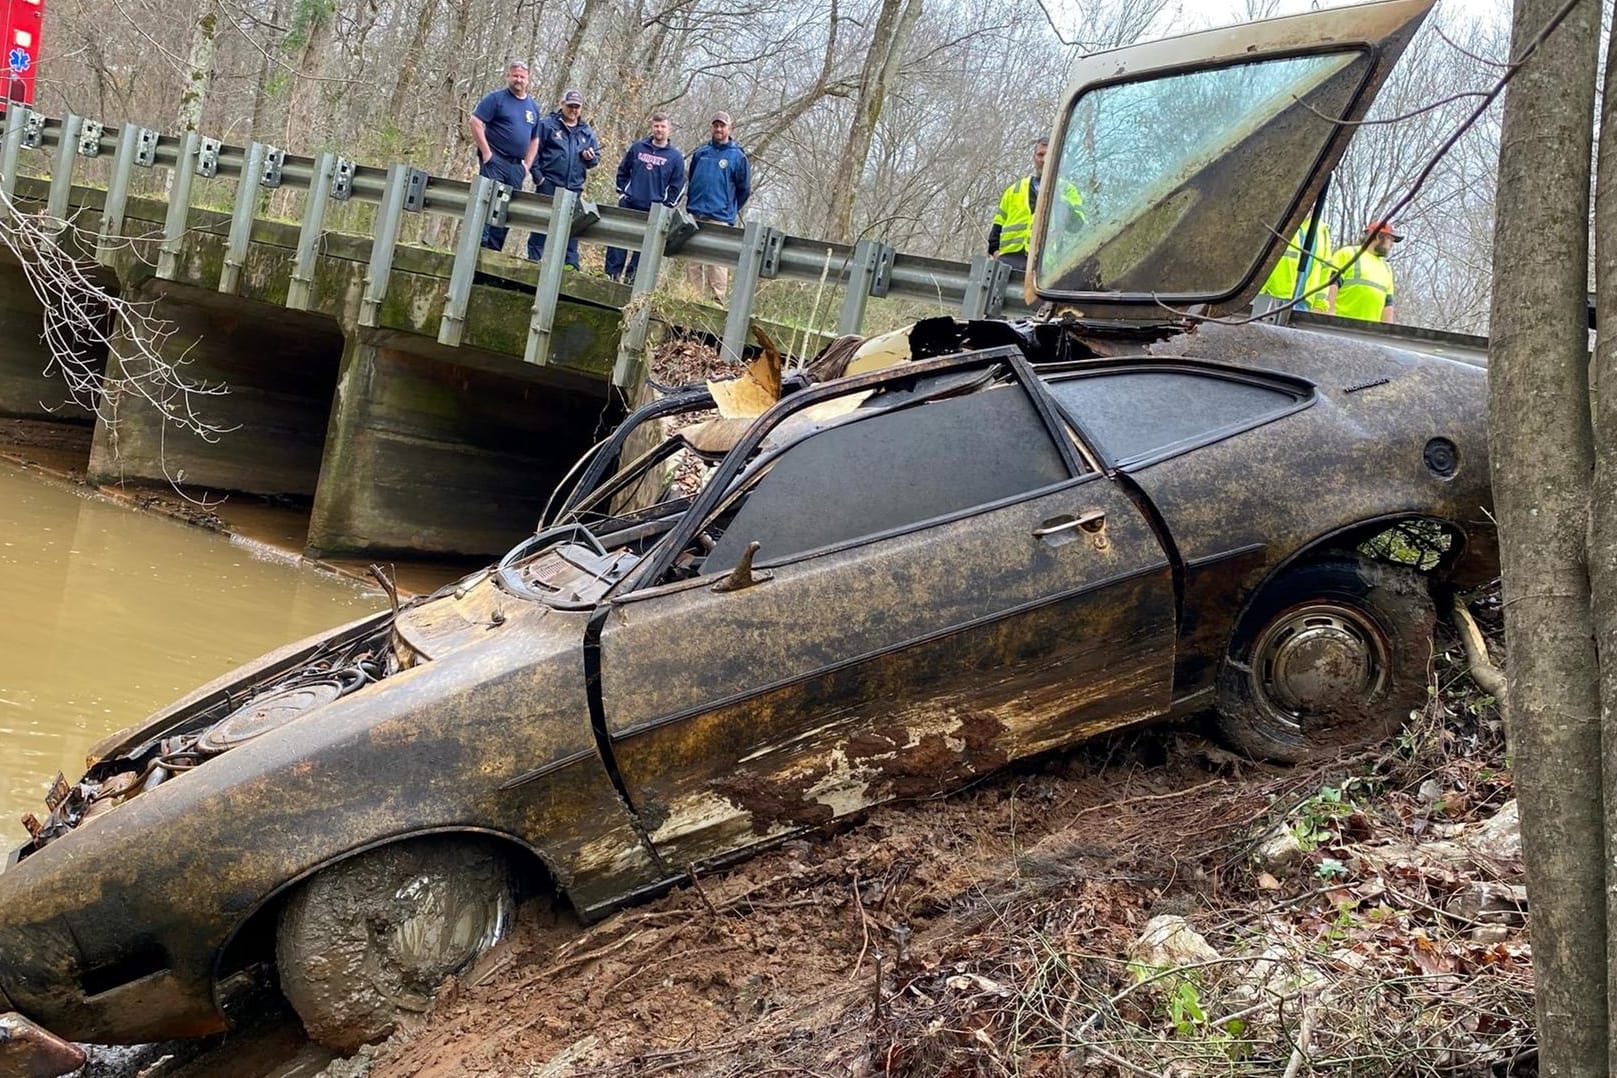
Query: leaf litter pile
[(1148, 905)]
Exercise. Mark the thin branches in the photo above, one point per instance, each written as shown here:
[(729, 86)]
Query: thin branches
[(83, 320)]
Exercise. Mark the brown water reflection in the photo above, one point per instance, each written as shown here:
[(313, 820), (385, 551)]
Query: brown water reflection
[(110, 613)]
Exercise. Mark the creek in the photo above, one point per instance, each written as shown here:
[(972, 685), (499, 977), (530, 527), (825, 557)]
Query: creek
[(110, 613)]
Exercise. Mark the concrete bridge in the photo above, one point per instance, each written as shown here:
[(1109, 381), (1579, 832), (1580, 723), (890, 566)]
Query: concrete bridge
[(422, 401)]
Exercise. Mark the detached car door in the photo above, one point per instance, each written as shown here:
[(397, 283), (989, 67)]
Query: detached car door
[(940, 586)]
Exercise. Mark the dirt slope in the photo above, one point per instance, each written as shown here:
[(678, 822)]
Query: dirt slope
[(991, 932)]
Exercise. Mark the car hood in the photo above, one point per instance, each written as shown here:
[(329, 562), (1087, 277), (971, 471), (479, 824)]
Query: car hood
[(463, 615), (1179, 168)]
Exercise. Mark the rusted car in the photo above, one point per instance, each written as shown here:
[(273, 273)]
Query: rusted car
[(979, 541)]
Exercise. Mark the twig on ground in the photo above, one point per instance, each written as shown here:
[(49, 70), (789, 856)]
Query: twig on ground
[(1489, 678), (1299, 1050)]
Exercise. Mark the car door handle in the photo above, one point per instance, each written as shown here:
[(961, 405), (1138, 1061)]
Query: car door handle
[(1092, 520)]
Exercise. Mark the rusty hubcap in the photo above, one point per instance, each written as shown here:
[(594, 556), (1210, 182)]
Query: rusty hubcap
[(1318, 658)]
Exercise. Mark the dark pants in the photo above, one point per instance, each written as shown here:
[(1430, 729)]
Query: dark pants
[(505, 170), (536, 240), (617, 256)]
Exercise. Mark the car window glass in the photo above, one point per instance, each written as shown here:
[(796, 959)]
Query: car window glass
[(1134, 414), (889, 471), (1138, 159)]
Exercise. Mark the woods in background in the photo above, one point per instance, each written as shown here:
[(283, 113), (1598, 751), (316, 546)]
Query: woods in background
[(896, 119)]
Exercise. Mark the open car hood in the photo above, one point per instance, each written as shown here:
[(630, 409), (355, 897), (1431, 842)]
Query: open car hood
[(1179, 167)]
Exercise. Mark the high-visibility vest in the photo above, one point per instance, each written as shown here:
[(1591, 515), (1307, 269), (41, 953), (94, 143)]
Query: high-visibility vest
[(1282, 282), (1366, 285), (1015, 215)]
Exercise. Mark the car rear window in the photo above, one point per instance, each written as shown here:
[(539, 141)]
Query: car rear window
[(1136, 414), (891, 471)]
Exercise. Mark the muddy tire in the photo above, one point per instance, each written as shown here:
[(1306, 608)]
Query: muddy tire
[(372, 938), (1332, 656)]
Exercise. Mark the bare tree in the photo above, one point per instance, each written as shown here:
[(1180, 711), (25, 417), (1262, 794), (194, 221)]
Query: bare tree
[(1603, 496), (1542, 454), (894, 21)]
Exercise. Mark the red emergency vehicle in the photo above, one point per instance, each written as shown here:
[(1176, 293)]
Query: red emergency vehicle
[(21, 22)]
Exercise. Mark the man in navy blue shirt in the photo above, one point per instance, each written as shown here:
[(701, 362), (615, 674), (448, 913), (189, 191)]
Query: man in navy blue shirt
[(568, 149), (720, 184), (505, 126), (652, 171)]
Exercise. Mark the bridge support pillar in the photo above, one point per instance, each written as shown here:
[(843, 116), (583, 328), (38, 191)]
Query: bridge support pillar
[(441, 450), (278, 368)]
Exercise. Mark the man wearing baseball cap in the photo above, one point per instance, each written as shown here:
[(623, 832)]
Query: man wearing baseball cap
[(720, 184), (568, 149), (1362, 286)]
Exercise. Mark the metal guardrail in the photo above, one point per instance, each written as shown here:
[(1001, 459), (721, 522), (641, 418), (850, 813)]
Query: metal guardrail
[(757, 252)]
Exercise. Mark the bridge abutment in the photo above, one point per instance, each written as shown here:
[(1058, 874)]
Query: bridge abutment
[(30, 386), (431, 451), (277, 369)]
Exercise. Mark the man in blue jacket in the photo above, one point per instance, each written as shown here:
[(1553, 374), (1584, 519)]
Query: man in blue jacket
[(568, 149), (720, 184), (653, 170), (505, 126)]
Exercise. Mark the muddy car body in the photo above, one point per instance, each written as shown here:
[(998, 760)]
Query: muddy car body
[(1013, 538)]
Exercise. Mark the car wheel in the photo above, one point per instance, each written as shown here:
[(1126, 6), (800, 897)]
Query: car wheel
[(374, 937), (1332, 656)]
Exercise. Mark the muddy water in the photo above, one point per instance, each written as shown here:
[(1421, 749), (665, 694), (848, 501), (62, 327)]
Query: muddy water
[(107, 614)]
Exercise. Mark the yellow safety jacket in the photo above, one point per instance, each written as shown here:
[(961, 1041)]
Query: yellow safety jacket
[(1014, 219), (1282, 282), (1366, 285)]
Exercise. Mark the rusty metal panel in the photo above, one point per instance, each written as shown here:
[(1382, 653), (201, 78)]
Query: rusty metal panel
[(1363, 439), (444, 745), (902, 666)]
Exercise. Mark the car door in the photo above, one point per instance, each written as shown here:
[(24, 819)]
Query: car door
[(940, 587)]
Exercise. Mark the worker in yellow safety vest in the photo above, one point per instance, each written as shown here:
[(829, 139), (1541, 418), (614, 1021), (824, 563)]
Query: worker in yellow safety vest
[(1363, 284), (1012, 229), (1282, 283)]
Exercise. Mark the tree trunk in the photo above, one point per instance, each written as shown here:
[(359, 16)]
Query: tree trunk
[(199, 65), (1603, 501), (311, 34), (415, 55), (881, 61), (1542, 455), (562, 71), (264, 86)]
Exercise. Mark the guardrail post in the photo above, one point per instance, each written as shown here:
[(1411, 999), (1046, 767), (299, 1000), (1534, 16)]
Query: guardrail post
[(241, 218), (179, 208), (562, 204), (62, 172), (404, 188), (870, 272), (469, 242), (985, 288), (314, 220), (637, 314), (760, 258), (16, 120), (112, 210)]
